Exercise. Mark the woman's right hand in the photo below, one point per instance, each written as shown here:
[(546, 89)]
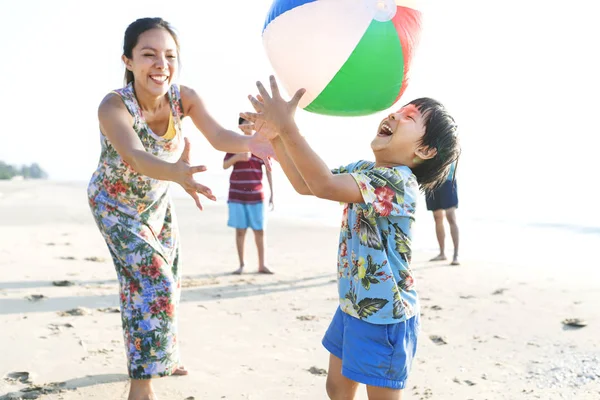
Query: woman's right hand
[(185, 176)]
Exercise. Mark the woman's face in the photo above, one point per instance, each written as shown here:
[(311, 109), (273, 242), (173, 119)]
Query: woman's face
[(154, 61)]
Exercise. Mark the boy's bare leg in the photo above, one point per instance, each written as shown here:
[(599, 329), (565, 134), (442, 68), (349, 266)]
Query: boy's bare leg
[(240, 237), (259, 238), (440, 233), (451, 217), (379, 393), (338, 386)]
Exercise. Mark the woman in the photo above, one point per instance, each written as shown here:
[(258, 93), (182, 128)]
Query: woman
[(141, 142)]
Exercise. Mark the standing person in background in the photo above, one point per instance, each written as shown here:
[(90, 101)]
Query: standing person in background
[(443, 202), (245, 203)]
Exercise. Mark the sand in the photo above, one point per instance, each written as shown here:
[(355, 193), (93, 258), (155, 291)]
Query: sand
[(492, 328)]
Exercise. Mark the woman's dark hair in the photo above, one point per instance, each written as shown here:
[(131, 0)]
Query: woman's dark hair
[(132, 35), (440, 134)]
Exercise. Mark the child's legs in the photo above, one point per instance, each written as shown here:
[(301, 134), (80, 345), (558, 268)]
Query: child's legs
[(341, 388), (381, 393), (260, 247), (256, 221), (338, 386), (238, 219), (240, 237)]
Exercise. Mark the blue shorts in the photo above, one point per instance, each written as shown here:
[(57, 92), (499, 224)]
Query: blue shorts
[(244, 216), (375, 355)]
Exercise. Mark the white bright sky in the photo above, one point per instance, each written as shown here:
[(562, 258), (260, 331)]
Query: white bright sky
[(520, 77)]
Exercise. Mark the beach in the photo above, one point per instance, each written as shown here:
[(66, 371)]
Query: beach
[(492, 328)]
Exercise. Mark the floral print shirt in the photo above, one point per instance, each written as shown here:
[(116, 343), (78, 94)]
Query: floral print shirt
[(375, 281)]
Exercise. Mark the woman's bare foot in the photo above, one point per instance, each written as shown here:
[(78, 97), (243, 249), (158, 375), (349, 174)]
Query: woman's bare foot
[(181, 371), (455, 261), (439, 257), (141, 389), (264, 270)]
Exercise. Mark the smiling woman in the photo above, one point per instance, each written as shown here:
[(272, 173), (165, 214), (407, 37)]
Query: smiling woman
[(143, 150)]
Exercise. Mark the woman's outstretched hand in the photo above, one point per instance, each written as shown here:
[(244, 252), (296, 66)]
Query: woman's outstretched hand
[(185, 176)]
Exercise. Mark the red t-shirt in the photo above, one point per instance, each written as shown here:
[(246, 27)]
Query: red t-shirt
[(245, 183)]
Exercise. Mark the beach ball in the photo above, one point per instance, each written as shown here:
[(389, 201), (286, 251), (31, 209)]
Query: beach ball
[(351, 56)]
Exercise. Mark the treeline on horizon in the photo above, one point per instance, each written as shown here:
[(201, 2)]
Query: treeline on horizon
[(33, 171)]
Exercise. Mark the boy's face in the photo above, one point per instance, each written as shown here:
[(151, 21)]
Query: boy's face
[(246, 128), (398, 137)]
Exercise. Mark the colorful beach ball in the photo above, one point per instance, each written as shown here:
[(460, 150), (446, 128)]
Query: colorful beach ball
[(351, 56)]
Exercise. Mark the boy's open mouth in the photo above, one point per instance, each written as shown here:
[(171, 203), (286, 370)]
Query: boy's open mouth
[(385, 129)]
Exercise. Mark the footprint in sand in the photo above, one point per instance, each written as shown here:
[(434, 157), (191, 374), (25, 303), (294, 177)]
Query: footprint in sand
[(574, 323), (63, 283), (306, 317), (95, 259), (36, 391), (36, 297), (317, 371), (58, 327), (109, 310), (79, 311), (20, 376), (439, 340)]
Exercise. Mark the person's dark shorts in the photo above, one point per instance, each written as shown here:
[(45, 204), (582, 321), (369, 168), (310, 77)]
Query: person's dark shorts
[(443, 198)]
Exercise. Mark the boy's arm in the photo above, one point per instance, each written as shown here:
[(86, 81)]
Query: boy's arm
[(289, 169), (232, 160), (317, 176), (270, 180)]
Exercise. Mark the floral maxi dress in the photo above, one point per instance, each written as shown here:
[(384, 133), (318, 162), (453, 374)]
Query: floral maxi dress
[(136, 218)]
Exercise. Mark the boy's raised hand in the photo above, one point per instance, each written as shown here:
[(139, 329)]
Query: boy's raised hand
[(273, 110), (261, 127)]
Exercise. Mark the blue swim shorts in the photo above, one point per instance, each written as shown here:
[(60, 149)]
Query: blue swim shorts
[(375, 355), (244, 216)]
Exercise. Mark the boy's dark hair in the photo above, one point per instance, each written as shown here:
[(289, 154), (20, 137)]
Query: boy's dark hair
[(440, 134), (133, 32)]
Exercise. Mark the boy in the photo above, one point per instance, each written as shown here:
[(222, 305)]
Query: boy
[(373, 335), (245, 202)]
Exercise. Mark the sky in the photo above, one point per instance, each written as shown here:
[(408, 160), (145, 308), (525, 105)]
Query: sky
[(520, 77)]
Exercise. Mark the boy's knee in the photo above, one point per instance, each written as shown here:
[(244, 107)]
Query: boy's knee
[(259, 232), (339, 390), (240, 232), (332, 389)]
